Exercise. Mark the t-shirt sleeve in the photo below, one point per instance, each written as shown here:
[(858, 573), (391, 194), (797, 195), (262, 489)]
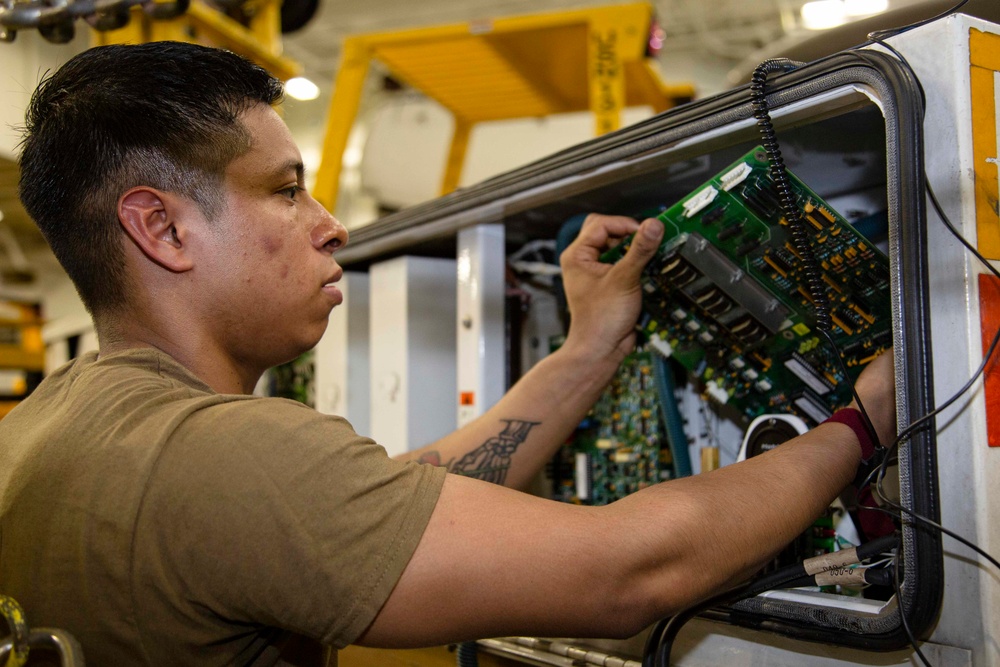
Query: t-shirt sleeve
[(266, 512)]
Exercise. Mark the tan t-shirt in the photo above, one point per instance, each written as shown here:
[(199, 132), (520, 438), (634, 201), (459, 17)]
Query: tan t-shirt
[(164, 524)]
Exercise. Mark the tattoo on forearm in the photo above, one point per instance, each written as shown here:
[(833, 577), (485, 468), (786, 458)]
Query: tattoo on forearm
[(491, 460)]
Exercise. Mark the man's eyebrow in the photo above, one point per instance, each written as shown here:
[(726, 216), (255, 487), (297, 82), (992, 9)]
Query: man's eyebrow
[(291, 165)]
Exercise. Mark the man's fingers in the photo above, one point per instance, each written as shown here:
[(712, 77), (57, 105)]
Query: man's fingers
[(644, 246), (599, 229)]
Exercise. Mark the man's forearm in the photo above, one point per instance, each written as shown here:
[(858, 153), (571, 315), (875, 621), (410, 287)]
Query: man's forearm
[(514, 439), (721, 527), (530, 566)]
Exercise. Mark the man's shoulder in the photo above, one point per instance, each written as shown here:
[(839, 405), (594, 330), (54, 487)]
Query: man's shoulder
[(95, 377), (121, 407)]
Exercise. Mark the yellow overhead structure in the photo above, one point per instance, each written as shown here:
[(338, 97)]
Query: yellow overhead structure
[(587, 59), (22, 351), (259, 40)]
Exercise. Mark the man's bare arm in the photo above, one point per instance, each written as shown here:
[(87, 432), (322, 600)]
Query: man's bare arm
[(512, 441), (496, 562)]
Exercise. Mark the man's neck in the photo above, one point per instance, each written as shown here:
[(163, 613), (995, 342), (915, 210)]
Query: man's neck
[(197, 353)]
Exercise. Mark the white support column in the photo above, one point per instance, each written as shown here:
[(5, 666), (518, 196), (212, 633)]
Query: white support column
[(412, 352), (342, 383), (481, 330)]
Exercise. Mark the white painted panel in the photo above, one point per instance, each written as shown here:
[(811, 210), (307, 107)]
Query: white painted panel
[(413, 368), (968, 471), (342, 363), (481, 326)]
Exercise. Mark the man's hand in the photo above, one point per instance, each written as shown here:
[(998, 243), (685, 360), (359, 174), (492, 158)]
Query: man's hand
[(520, 434), (876, 387), (605, 299)]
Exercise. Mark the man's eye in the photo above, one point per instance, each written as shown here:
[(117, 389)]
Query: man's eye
[(291, 192)]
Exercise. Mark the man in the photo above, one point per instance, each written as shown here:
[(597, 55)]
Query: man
[(153, 508)]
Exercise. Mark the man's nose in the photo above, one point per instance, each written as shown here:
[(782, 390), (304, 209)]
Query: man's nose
[(328, 234)]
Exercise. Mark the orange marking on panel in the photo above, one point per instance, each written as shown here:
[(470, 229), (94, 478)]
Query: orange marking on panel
[(989, 317), (984, 62)]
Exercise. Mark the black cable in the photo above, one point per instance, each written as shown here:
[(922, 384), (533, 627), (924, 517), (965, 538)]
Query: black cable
[(661, 639), (811, 270), (672, 626), (925, 420), (913, 426), (919, 423), (650, 650), (877, 37), (892, 32), (947, 223), (812, 274), (902, 612), (936, 526), (922, 421)]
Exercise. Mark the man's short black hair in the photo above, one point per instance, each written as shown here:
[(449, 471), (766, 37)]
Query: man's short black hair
[(162, 114)]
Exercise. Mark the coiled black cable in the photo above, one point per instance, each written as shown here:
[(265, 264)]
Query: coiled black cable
[(811, 271)]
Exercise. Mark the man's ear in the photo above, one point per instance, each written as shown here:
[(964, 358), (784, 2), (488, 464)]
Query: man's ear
[(156, 222)]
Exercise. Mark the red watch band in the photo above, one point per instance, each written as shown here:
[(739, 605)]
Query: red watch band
[(853, 418)]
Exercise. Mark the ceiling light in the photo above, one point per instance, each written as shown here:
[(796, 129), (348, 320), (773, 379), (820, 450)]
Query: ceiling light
[(301, 88), (855, 8), (823, 14)]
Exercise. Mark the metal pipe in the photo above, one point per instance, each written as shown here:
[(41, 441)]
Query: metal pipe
[(165, 10), (54, 18), (23, 15), (69, 650)]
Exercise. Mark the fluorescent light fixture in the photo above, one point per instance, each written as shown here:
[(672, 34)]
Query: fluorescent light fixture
[(865, 7), (301, 88), (823, 14)]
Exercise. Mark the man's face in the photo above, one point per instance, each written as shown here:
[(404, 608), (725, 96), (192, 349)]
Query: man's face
[(268, 257)]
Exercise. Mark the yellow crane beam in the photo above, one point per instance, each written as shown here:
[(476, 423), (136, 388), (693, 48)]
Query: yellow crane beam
[(523, 66)]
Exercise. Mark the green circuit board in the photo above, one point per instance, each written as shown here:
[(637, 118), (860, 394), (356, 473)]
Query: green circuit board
[(726, 295), (621, 446)]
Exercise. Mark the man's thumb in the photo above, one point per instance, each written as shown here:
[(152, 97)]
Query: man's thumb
[(644, 246)]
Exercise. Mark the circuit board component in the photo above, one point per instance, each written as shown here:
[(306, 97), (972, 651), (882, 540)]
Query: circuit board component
[(727, 295), (621, 446)]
